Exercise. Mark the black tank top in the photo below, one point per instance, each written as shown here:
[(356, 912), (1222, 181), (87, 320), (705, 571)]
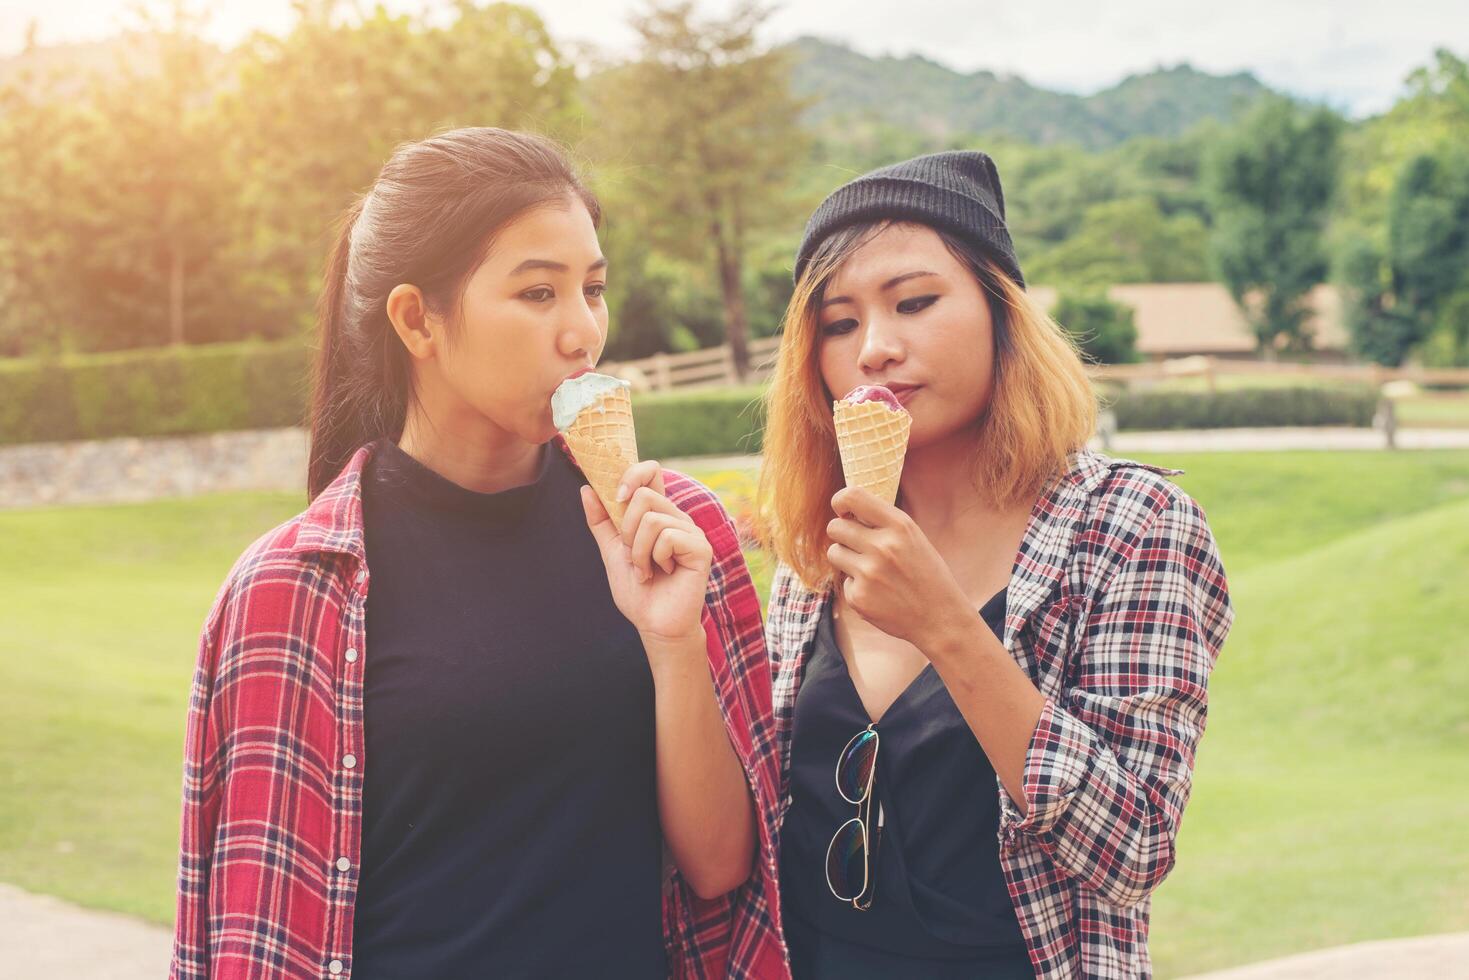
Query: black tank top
[(941, 906)]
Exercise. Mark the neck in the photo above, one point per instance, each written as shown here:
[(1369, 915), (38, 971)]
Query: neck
[(470, 451), (939, 489)]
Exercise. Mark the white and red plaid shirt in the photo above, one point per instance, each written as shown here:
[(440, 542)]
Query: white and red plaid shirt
[(275, 756), (1116, 609)]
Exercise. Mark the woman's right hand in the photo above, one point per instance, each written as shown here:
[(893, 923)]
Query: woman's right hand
[(657, 562)]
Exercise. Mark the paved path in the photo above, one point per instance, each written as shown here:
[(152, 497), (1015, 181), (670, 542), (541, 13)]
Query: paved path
[(1199, 441), (43, 938), (1443, 957)]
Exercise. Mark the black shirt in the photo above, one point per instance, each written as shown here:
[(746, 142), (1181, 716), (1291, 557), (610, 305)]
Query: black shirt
[(510, 821), (941, 907)]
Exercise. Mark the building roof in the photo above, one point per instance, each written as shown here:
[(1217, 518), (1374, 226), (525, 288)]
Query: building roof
[(1179, 318)]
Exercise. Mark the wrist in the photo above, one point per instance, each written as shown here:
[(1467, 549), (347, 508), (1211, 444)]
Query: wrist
[(949, 634), (664, 647)]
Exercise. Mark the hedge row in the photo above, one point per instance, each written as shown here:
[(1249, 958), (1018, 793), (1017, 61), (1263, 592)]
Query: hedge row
[(172, 391), (260, 386), (719, 421), (224, 387), (1246, 408)]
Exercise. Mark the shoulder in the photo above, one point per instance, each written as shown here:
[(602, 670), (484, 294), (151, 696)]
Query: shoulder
[(264, 579), (1127, 501), (1143, 531)]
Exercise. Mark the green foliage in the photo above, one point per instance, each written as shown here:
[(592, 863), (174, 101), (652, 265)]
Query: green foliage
[(1104, 330), (187, 196), (1126, 240), (706, 130), (1246, 408), (1271, 180), (720, 421), (256, 385), (168, 391)]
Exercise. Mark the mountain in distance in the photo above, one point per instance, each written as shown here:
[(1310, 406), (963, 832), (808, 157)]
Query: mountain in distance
[(919, 94)]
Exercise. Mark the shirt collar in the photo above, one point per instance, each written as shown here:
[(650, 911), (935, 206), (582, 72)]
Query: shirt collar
[(333, 522)]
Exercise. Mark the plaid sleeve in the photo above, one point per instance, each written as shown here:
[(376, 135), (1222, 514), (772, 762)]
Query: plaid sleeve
[(202, 795), (1110, 764), (734, 934)]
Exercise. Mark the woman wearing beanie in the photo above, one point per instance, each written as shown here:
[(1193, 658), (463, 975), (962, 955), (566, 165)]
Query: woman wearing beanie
[(988, 696)]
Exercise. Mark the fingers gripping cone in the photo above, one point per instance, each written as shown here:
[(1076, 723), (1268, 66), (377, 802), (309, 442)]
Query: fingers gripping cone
[(605, 444), (872, 439)]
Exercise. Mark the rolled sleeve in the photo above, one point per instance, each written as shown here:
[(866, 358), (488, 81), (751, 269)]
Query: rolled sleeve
[(1109, 767)]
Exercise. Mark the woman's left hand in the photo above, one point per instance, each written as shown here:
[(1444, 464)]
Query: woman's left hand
[(889, 572), (657, 562)]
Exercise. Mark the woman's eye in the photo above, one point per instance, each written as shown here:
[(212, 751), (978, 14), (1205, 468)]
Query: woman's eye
[(540, 294), (838, 327), (916, 303), (596, 289)]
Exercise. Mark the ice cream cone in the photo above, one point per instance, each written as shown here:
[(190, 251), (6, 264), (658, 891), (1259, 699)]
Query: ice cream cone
[(605, 445), (872, 439)]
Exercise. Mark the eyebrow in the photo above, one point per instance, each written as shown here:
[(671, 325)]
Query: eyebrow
[(895, 281), (530, 264)]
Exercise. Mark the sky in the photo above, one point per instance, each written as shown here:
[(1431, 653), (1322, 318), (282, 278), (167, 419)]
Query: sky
[(1351, 54)]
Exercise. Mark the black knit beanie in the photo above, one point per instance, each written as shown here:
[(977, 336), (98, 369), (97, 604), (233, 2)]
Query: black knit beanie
[(958, 191)]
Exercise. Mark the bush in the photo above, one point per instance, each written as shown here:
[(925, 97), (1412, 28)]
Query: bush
[(699, 423), (225, 387), (171, 391), (1104, 330), (1246, 408)]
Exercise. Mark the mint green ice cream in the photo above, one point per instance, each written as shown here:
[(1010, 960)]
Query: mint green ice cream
[(575, 394)]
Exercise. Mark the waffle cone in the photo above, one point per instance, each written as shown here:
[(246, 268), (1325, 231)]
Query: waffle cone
[(605, 444), (872, 439)]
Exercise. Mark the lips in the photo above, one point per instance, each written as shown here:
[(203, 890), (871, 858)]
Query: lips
[(903, 393)]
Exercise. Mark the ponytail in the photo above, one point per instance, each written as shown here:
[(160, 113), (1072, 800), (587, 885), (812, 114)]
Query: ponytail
[(335, 433)]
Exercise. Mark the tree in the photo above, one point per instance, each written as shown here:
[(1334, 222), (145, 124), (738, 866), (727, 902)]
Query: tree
[(317, 111), (1128, 240), (1428, 234), (1379, 332), (703, 128), (1104, 330), (1270, 181)]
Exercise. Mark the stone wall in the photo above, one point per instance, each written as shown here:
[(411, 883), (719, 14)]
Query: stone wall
[(122, 470)]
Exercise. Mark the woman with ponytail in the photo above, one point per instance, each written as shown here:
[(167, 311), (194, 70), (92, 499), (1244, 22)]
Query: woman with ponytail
[(452, 720)]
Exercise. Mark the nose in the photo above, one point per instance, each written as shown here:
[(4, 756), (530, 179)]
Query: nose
[(582, 333), (881, 345)]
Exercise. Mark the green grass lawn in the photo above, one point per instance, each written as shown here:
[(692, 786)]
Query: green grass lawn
[(1330, 802), (1435, 412)]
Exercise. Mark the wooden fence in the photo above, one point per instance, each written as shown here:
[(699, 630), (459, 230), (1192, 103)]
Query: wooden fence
[(710, 368)]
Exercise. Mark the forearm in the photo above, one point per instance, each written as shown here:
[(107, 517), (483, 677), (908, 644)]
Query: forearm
[(704, 800), (996, 698)]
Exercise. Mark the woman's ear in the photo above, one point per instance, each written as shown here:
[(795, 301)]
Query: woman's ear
[(419, 329)]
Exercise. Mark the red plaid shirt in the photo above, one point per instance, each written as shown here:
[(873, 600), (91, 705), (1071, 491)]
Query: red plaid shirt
[(274, 758), (1117, 609)]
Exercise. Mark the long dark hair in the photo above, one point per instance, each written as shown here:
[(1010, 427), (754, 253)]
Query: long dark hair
[(429, 219)]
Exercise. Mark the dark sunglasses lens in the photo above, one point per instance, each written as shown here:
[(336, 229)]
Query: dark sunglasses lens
[(854, 768), (846, 861)]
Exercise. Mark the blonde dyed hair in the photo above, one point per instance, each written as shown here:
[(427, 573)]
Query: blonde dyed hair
[(1041, 409)]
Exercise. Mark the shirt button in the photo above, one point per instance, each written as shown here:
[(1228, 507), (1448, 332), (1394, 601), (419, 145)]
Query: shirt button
[(351, 655), (334, 967), (349, 761), (343, 864), (361, 576)]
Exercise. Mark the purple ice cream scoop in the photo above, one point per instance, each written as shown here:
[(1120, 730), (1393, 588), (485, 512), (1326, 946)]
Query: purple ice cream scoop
[(874, 393)]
